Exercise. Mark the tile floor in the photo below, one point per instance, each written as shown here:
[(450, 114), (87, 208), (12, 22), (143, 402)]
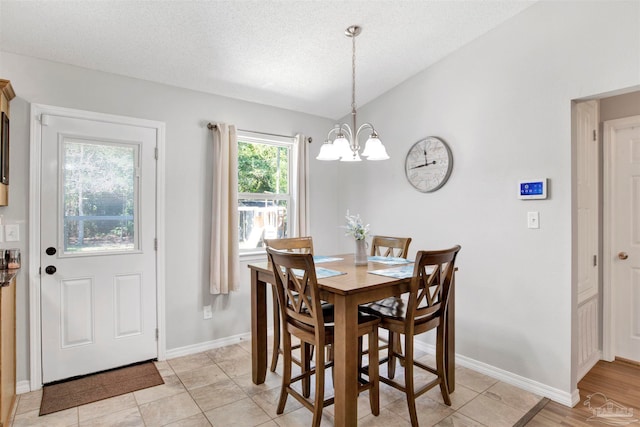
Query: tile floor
[(214, 388)]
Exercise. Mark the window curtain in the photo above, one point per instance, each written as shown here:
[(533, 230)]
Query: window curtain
[(225, 256), (301, 187)]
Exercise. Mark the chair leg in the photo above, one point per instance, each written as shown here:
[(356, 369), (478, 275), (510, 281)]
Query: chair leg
[(408, 381), (440, 365), (319, 398), (276, 330), (374, 391), (286, 374), (391, 364), (398, 348), (306, 350), (360, 346)]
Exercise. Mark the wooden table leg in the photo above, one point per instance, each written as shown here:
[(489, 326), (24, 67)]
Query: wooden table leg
[(258, 328), (345, 363)]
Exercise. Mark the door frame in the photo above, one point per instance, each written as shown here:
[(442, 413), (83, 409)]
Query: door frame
[(608, 301), (35, 165)]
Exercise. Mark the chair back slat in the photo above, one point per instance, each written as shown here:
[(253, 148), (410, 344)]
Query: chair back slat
[(297, 288), (431, 284), (390, 246)]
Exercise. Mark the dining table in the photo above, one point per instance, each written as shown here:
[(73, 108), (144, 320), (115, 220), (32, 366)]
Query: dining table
[(356, 284)]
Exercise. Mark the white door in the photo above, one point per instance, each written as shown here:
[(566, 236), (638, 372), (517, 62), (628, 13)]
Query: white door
[(622, 142), (587, 163), (98, 260), (587, 186)]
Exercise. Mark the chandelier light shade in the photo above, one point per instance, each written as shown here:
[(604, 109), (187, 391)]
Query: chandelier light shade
[(342, 143)]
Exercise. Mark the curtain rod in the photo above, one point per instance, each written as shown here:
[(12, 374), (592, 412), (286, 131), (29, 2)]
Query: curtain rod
[(212, 126)]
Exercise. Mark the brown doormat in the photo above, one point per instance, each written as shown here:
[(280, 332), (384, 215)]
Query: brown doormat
[(91, 388)]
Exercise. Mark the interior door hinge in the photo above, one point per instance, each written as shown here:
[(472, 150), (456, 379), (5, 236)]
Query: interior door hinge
[(156, 153), (155, 244), (595, 260), (595, 135), (157, 334)]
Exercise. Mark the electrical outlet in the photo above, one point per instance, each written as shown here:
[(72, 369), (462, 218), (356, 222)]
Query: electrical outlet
[(12, 232), (208, 313)]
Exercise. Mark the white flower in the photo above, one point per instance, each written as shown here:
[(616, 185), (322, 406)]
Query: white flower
[(355, 227)]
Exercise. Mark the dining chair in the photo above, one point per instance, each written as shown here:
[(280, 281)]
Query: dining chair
[(390, 246), (307, 318), (423, 310), (292, 244)]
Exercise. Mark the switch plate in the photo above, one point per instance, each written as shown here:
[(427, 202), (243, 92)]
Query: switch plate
[(533, 219), (12, 232), (208, 313)]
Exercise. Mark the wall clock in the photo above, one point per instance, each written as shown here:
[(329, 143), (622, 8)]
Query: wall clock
[(428, 164)]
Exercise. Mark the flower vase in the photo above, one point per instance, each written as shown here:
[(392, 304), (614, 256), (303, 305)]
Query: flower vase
[(361, 252)]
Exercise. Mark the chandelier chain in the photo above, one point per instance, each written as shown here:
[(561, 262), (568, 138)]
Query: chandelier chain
[(353, 74)]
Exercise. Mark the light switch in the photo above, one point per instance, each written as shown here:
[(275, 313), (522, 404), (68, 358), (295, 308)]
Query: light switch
[(533, 219), (12, 232), (208, 313)]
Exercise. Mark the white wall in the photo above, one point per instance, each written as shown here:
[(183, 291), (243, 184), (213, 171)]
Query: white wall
[(188, 202), (503, 103)]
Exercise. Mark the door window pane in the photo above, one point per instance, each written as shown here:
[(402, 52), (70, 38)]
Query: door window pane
[(99, 202)]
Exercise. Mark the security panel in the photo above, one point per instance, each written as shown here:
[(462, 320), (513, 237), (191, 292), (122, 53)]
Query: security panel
[(532, 189)]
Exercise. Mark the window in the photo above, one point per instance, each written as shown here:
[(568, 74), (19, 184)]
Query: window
[(100, 196), (265, 199)]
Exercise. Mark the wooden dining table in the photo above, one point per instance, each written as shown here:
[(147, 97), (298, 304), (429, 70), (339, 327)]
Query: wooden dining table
[(345, 292)]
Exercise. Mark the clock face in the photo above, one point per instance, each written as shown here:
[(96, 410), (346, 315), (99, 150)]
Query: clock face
[(428, 164)]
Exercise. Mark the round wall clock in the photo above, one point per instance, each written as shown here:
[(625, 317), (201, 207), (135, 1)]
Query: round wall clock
[(428, 164)]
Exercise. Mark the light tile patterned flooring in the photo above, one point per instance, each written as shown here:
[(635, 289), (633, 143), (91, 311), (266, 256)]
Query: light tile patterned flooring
[(214, 388)]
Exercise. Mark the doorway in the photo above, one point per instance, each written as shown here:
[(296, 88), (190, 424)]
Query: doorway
[(95, 223), (593, 326)]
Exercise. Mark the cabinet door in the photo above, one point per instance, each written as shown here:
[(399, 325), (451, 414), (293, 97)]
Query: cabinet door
[(7, 350)]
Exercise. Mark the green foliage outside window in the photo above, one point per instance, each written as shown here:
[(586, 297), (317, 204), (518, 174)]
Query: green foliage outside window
[(262, 168), (98, 182)]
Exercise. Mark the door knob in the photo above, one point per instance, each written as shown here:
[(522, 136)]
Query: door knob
[(623, 255), (50, 269)]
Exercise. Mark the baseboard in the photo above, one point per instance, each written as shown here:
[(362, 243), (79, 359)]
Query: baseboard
[(23, 387), (575, 397), (208, 345), (527, 384)]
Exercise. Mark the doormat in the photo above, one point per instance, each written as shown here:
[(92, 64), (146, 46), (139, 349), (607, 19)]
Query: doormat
[(103, 385), (532, 413)]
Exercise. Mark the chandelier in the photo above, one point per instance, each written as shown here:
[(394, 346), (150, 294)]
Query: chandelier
[(342, 143)]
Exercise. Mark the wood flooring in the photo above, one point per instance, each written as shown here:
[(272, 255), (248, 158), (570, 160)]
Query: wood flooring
[(618, 381)]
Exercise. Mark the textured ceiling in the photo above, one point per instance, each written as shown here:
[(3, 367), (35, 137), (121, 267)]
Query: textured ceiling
[(289, 54)]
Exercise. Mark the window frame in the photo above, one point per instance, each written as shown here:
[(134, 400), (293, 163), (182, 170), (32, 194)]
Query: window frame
[(289, 197)]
